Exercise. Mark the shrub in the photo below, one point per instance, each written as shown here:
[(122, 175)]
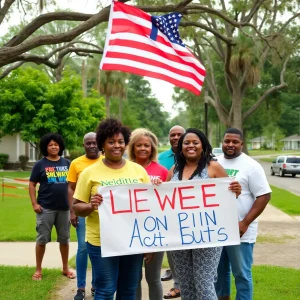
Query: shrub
[(3, 160), (23, 159), (76, 153)]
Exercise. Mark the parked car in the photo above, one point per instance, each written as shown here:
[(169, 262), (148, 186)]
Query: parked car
[(217, 151), (286, 165)]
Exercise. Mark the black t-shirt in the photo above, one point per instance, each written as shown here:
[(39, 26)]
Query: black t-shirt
[(52, 176)]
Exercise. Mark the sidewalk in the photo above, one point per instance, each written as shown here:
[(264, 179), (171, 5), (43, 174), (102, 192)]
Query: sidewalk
[(23, 254)]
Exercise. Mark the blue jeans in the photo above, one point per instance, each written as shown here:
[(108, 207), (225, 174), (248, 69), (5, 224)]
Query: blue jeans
[(240, 259), (82, 256), (117, 273)]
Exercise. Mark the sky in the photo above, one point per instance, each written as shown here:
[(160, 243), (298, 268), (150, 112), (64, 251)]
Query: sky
[(161, 89)]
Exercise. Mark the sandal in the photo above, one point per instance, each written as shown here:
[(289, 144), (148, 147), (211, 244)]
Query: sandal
[(37, 276), (174, 293), (70, 274)]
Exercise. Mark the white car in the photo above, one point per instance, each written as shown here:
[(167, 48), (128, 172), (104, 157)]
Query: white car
[(217, 151), (286, 165)]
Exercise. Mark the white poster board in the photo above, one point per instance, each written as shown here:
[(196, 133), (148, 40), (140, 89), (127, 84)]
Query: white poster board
[(141, 218)]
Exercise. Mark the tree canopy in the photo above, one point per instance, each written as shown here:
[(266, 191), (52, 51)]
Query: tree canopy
[(236, 40), (33, 106)]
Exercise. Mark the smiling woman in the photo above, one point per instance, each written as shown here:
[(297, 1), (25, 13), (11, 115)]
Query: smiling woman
[(112, 138), (197, 268), (51, 205), (143, 150)]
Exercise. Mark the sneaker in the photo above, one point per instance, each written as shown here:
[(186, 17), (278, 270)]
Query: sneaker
[(167, 276), (93, 292), (80, 295)]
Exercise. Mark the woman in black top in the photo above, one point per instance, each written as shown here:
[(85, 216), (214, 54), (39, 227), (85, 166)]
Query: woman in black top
[(51, 204)]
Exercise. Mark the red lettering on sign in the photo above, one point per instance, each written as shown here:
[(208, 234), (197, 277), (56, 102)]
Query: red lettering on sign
[(112, 201), (204, 195), (166, 199), (136, 200), (184, 198)]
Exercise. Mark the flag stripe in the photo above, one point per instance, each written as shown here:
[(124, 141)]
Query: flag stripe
[(151, 50), (147, 41), (153, 59), (131, 10), (142, 66), (144, 72), (129, 48), (133, 25)]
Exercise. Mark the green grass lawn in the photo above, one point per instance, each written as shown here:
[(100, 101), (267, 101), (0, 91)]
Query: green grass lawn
[(18, 215), (285, 201), (13, 174), (273, 152), (268, 281), (16, 283), (268, 159)]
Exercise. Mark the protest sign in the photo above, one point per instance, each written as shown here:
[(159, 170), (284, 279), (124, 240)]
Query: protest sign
[(141, 218)]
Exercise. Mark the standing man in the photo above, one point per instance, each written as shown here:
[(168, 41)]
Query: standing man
[(76, 167), (167, 159), (255, 195)]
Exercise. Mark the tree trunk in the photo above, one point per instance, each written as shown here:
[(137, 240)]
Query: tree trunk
[(83, 79), (245, 146), (107, 103), (236, 120), (120, 109), (58, 72)]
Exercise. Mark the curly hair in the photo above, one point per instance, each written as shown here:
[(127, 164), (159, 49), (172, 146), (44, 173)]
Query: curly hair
[(205, 159), (47, 138), (136, 135), (108, 128)]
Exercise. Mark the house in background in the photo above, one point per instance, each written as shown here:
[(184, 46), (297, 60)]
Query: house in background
[(261, 141), (14, 146), (291, 142)]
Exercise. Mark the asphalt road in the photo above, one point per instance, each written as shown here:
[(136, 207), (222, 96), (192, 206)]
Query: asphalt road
[(287, 182)]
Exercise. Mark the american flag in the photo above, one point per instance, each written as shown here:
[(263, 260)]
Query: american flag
[(150, 46)]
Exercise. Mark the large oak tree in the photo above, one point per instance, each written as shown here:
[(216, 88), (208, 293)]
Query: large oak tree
[(239, 35)]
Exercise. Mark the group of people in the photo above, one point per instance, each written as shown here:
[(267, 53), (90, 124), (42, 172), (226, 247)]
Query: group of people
[(68, 194)]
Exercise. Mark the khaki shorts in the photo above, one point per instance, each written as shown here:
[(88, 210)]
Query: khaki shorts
[(49, 218)]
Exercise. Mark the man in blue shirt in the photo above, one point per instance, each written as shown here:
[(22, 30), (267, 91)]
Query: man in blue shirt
[(167, 159)]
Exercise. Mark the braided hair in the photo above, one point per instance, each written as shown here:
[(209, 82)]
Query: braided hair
[(206, 155)]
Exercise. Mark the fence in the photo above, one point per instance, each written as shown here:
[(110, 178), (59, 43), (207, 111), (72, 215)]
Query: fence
[(9, 186)]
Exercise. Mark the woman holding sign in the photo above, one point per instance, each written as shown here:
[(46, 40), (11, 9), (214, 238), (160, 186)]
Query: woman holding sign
[(118, 273), (197, 268), (142, 149)]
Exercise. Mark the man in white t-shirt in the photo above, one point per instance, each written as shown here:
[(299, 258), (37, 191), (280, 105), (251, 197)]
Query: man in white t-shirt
[(255, 195)]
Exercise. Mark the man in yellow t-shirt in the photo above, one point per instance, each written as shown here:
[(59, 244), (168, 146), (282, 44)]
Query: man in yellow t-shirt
[(91, 156)]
